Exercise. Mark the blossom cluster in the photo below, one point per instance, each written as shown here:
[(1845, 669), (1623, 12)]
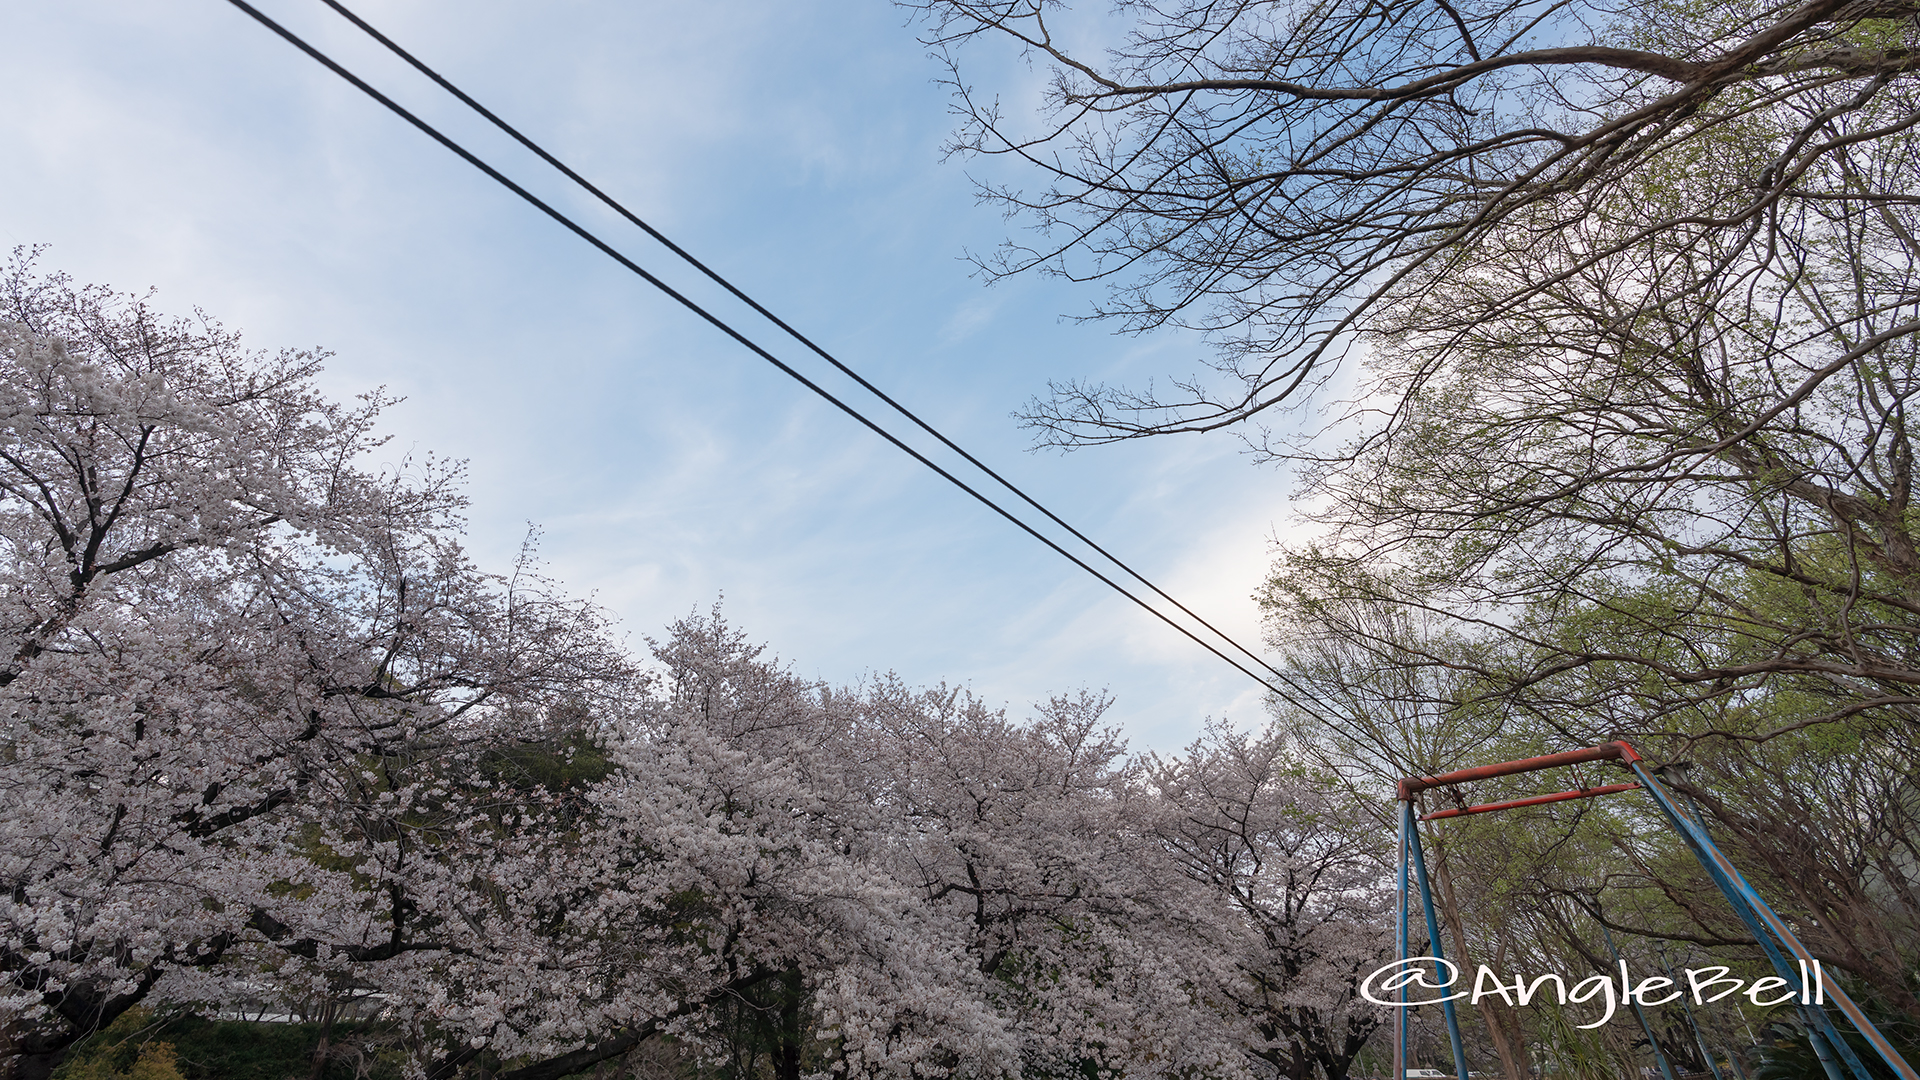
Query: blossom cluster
[(267, 733)]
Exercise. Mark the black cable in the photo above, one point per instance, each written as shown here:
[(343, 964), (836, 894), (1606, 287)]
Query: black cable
[(714, 276), (429, 130)]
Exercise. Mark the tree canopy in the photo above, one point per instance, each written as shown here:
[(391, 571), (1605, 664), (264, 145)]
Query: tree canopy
[(271, 744)]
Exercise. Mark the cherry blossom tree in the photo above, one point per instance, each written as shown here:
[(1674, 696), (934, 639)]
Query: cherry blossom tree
[(1305, 875), (224, 638), (1033, 839), (742, 796), (267, 732)]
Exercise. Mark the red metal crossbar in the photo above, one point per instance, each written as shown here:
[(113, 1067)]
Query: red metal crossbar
[(1577, 793), (1746, 902), (1613, 751)]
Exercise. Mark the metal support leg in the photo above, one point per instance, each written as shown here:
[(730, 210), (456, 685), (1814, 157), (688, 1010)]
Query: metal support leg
[(1699, 1037), (1718, 869), (1639, 1010), (1433, 938), (1755, 912), (1401, 1021)]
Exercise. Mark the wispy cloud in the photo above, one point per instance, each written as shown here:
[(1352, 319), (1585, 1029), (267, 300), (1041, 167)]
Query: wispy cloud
[(792, 144)]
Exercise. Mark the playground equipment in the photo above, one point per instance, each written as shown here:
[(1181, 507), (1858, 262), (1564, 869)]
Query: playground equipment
[(1776, 940)]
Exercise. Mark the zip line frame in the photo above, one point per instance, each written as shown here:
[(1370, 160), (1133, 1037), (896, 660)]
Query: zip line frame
[(1775, 938)]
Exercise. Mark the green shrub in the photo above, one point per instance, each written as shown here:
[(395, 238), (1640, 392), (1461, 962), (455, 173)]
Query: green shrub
[(140, 1047)]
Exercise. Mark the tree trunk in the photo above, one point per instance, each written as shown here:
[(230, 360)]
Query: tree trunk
[(786, 1061), (1501, 1023), (328, 1013)]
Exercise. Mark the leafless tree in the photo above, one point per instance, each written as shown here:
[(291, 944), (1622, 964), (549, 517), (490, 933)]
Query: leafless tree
[(1277, 174)]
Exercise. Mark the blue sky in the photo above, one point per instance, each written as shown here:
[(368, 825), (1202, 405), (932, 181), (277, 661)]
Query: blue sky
[(792, 144)]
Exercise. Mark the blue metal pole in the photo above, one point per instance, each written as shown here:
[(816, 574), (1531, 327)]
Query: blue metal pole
[(1401, 1021), (1699, 1037), (1639, 1011), (1718, 868), (1433, 942), (1752, 908)]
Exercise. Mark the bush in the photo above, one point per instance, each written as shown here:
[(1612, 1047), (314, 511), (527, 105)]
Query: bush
[(139, 1046)]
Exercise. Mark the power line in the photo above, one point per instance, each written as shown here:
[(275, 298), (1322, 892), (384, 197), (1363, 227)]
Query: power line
[(727, 329), (619, 208)]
